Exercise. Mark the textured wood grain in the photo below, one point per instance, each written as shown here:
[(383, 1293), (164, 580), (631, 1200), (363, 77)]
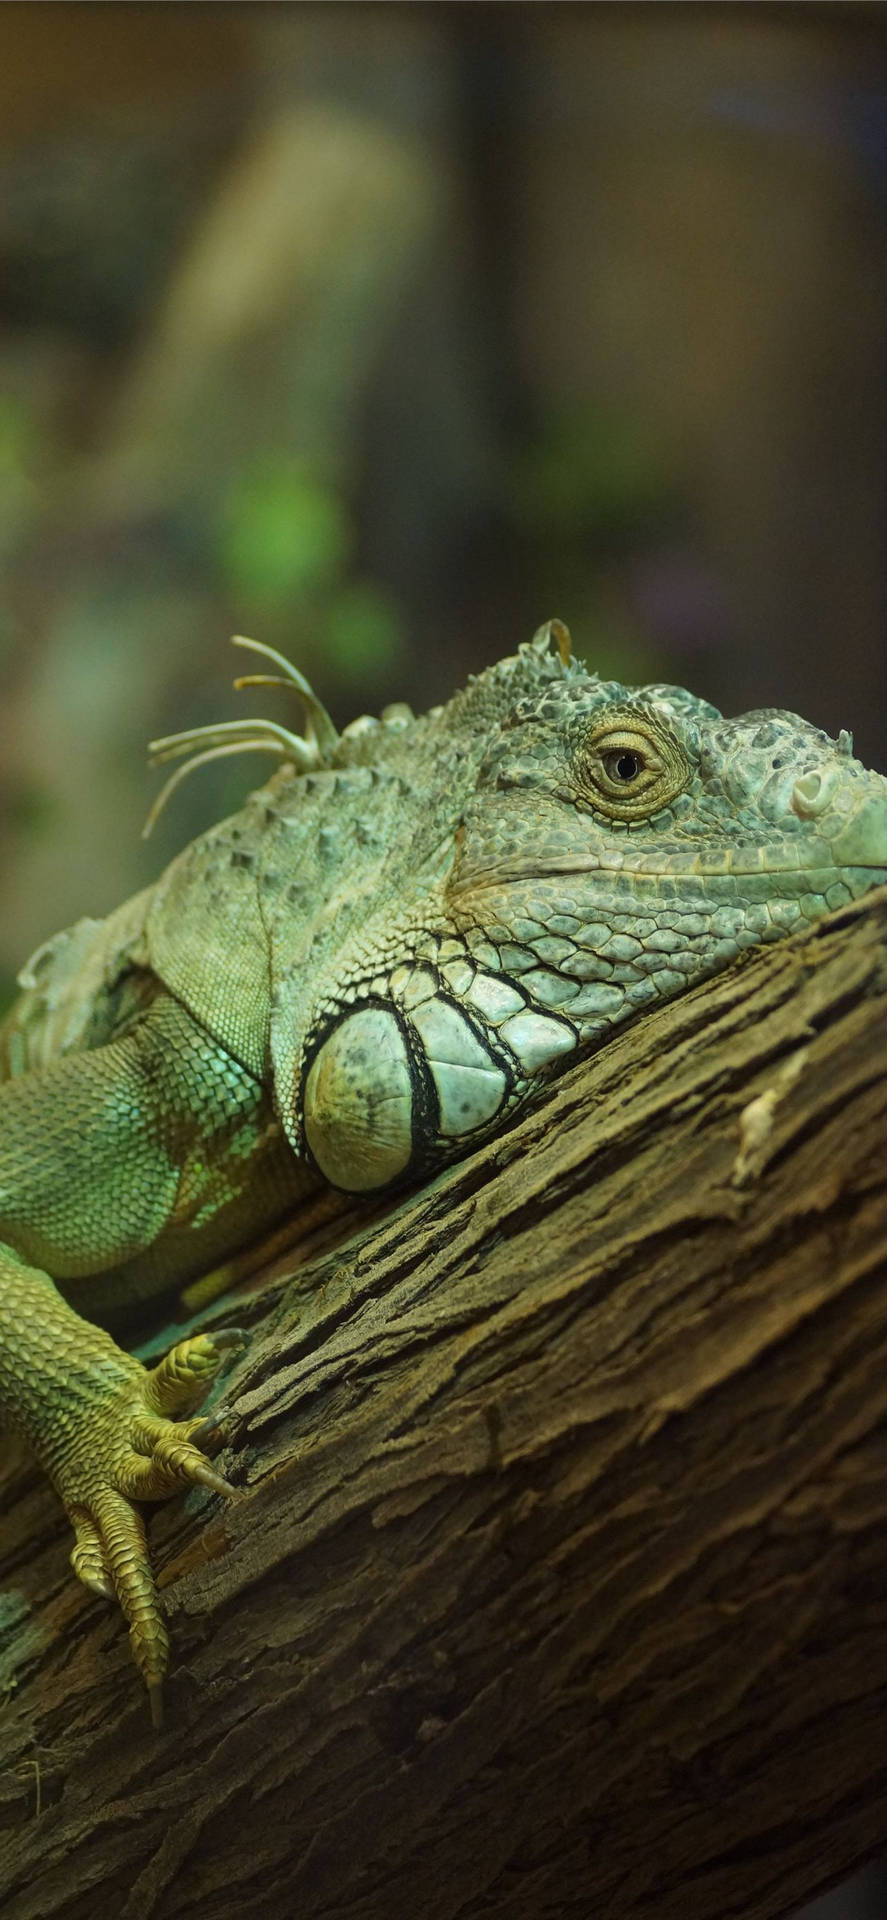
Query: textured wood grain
[(558, 1584)]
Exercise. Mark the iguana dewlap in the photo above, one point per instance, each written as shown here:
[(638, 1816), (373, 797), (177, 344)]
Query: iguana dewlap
[(364, 973)]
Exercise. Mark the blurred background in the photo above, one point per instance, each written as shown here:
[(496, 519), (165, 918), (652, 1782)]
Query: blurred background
[(385, 332)]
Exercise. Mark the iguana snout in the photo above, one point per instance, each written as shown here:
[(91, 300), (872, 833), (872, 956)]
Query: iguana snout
[(857, 832)]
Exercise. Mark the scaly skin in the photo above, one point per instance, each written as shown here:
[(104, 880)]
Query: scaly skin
[(362, 974)]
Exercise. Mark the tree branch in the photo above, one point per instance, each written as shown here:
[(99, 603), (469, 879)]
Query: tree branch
[(558, 1585)]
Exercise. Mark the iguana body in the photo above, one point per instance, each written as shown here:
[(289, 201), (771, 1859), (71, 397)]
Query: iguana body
[(362, 974)]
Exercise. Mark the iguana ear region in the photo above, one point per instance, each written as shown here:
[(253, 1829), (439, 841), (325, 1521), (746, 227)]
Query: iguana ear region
[(396, 1086), (388, 1088), (359, 1102)]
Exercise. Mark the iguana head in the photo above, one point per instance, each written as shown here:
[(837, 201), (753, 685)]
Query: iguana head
[(445, 906), (614, 845), (644, 815)]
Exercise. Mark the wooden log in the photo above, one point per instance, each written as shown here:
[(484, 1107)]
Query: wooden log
[(558, 1583)]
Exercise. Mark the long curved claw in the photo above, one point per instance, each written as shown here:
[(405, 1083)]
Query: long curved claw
[(206, 1476), (210, 1430), (229, 1339)]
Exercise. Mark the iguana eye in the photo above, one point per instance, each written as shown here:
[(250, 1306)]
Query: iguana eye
[(630, 765)]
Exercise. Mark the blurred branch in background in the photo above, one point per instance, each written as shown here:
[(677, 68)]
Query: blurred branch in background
[(223, 462), (274, 321), (387, 332)]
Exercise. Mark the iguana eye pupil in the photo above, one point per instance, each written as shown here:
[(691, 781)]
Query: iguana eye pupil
[(626, 766)]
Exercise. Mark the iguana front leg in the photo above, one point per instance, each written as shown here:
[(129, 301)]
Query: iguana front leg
[(93, 1151)]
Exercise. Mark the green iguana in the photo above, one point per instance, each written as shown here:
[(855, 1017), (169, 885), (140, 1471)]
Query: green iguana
[(362, 974)]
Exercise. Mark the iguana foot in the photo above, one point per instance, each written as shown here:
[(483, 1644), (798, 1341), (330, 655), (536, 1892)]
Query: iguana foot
[(125, 1444)]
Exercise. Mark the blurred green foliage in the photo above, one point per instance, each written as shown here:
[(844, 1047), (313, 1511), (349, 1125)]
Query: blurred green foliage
[(31, 807), (593, 472), (16, 436), (18, 493), (365, 632), (284, 536), (286, 542), (590, 489)]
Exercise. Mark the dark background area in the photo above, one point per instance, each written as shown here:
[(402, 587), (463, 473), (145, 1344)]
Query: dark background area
[(384, 333)]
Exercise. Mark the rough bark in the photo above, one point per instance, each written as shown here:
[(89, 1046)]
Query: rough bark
[(558, 1585)]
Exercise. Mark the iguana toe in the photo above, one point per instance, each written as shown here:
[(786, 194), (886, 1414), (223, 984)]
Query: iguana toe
[(185, 1373), (88, 1555), (162, 1460), (122, 1533)]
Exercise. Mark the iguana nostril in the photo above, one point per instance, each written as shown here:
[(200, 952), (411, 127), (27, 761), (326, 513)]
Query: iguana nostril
[(812, 793)]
